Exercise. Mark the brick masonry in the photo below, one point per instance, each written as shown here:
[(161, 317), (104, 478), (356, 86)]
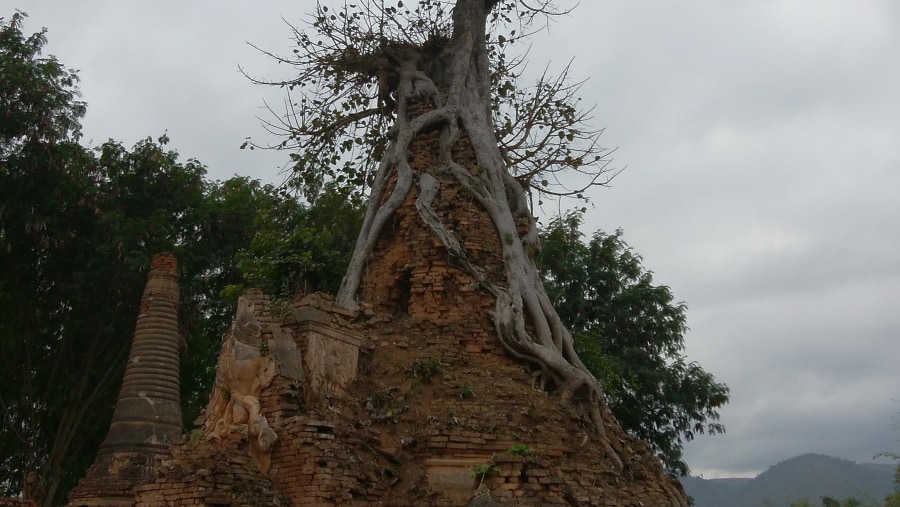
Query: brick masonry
[(433, 397), (147, 417)]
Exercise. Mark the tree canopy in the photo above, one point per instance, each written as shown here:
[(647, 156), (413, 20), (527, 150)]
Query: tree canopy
[(339, 113), (630, 334), (78, 227)]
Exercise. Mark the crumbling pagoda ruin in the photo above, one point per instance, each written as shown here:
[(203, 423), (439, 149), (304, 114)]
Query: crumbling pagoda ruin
[(147, 418), (439, 375), (410, 399), (316, 405)]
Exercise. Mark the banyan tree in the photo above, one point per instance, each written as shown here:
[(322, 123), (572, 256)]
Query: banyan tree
[(374, 78)]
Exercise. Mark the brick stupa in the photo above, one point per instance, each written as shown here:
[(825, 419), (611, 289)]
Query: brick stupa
[(147, 417), (411, 401)]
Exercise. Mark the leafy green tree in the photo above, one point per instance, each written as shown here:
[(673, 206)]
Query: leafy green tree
[(77, 230), (47, 209), (301, 248), (828, 501), (893, 500), (630, 334), (248, 235), (38, 96), (169, 204), (106, 223), (219, 227)]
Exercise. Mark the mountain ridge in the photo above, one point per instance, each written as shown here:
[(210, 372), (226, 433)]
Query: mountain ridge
[(808, 476)]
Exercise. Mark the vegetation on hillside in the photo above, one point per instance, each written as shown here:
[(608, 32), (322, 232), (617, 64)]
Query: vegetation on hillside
[(810, 480)]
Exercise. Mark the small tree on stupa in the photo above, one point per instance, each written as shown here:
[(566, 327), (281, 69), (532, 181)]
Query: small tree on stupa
[(375, 77)]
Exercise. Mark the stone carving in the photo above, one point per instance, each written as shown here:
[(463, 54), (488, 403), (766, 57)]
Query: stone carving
[(256, 350), (331, 360), (242, 372), (288, 359), (330, 346)]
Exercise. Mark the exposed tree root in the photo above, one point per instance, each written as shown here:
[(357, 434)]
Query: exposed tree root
[(525, 321)]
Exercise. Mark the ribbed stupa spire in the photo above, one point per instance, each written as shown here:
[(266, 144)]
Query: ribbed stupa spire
[(147, 417)]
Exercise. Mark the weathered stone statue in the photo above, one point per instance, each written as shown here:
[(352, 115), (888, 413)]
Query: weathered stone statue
[(242, 372)]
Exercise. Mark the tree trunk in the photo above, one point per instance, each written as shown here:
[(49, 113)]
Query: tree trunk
[(443, 105)]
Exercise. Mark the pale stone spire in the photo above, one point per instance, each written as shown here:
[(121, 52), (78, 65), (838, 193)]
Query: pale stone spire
[(147, 417)]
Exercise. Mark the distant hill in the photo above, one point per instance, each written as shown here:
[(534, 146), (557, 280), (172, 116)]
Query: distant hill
[(809, 476), (714, 492)]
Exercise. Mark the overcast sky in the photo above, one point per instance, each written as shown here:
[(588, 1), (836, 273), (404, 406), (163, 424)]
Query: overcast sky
[(762, 145)]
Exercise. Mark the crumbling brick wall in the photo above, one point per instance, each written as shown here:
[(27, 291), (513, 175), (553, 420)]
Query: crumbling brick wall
[(204, 473), (16, 502), (410, 272), (394, 437), (483, 406)]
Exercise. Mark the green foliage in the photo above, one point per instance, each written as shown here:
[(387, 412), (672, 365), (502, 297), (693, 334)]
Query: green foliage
[(37, 94), (425, 369), (466, 391), (892, 500), (196, 437), (828, 501), (55, 347), (520, 450), (246, 235), (630, 334), (77, 230), (482, 471), (342, 111), (381, 399), (77, 236), (300, 248)]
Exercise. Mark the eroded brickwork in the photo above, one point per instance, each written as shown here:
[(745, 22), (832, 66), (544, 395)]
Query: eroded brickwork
[(407, 435), (147, 417), (411, 402), (203, 473), (477, 409), (410, 272), (16, 502)]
